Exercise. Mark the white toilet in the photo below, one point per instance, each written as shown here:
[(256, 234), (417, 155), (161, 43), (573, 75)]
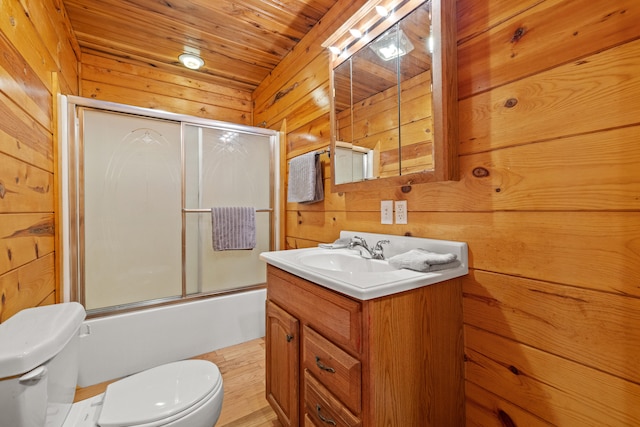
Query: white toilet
[(39, 370)]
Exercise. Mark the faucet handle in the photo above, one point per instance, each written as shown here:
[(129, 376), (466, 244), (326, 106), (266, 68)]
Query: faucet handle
[(380, 243), (362, 241), (378, 252)]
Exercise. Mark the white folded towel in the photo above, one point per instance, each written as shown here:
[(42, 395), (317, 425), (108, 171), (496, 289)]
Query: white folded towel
[(233, 228), (338, 244), (423, 260), (305, 179)]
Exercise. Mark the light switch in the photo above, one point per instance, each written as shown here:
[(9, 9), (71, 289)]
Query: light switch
[(401, 212), (386, 212)]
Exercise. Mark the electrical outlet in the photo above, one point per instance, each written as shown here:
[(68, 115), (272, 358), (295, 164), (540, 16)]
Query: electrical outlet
[(401, 212), (386, 212)]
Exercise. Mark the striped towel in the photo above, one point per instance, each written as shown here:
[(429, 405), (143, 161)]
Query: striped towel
[(233, 228)]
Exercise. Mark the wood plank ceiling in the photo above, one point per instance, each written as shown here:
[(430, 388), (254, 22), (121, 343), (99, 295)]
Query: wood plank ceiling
[(241, 41)]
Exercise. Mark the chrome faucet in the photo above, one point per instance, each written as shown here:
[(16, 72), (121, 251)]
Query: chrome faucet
[(378, 252), (360, 245)]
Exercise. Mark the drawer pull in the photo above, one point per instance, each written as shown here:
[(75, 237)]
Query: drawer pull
[(323, 418), (323, 366), (289, 338)]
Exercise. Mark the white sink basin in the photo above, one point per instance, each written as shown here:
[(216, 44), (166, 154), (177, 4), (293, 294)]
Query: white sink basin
[(340, 260), (345, 271)]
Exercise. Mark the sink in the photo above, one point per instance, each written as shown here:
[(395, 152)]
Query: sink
[(345, 271), (339, 260)]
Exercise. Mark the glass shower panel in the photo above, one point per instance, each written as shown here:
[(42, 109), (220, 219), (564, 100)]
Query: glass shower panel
[(132, 209), (224, 168)]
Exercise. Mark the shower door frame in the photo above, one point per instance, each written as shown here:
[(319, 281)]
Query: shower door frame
[(70, 166)]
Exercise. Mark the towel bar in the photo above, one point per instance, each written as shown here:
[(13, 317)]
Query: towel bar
[(326, 150)]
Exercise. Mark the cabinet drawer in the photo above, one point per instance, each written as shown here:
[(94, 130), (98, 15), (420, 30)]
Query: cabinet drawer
[(333, 367), (323, 408), (336, 316)]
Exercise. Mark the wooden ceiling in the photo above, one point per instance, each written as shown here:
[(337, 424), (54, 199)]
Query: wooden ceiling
[(241, 41)]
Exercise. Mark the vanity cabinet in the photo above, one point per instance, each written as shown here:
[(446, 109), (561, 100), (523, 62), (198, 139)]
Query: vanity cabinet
[(333, 360), (282, 390)]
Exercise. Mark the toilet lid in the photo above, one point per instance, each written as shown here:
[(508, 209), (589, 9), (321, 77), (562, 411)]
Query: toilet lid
[(158, 393)]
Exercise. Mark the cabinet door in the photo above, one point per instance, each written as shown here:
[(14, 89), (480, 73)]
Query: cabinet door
[(282, 354)]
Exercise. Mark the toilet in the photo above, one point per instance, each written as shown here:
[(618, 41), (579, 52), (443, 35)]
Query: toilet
[(39, 371)]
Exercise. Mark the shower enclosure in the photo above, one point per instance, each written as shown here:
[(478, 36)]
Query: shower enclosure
[(140, 188)]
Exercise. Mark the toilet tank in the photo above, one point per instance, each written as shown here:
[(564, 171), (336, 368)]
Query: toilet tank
[(39, 365)]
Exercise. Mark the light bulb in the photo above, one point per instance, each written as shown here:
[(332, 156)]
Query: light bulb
[(382, 11)]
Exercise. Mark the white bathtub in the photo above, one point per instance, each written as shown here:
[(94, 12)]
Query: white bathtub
[(123, 344)]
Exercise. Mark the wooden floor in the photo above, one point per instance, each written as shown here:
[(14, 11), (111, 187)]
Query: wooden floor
[(242, 367)]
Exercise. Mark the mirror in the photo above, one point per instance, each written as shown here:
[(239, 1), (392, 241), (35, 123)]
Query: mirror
[(393, 111)]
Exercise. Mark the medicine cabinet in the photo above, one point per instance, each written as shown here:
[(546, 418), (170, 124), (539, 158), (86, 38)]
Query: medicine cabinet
[(394, 95)]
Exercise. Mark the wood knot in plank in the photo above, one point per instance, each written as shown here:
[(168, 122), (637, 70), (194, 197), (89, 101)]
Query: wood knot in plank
[(480, 172), (284, 93), (518, 34), (406, 189), (514, 370), (3, 191), (40, 189), (511, 102)]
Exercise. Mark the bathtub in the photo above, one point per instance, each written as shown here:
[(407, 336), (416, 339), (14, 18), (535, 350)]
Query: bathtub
[(122, 344)]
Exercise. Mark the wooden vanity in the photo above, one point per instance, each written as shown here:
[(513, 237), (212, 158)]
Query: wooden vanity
[(334, 360)]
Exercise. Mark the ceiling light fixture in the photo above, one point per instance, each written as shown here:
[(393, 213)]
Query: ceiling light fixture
[(190, 61), (355, 33)]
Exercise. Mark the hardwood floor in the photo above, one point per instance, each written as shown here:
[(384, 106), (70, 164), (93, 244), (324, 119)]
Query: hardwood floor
[(242, 367)]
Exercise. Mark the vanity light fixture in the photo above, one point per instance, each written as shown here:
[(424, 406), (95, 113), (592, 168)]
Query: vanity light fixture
[(355, 33), (368, 23), (382, 11), (190, 61)]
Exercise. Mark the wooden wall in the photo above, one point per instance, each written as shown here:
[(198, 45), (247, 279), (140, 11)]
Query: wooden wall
[(549, 99), (130, 82), (39, 60)]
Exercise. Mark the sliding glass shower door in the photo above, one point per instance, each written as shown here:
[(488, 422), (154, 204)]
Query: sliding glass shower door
[(142, 189), (131, 209), (224, 168)]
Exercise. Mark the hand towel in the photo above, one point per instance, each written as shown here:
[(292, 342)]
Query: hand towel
[(233, 228), (338, 244), (423, 260), (305, 179)]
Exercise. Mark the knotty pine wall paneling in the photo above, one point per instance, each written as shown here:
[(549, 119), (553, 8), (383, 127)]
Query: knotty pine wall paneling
[(548, 201), (107, 78), (39, 59)]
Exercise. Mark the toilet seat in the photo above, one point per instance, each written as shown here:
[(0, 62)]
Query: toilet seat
[(160, 395)]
